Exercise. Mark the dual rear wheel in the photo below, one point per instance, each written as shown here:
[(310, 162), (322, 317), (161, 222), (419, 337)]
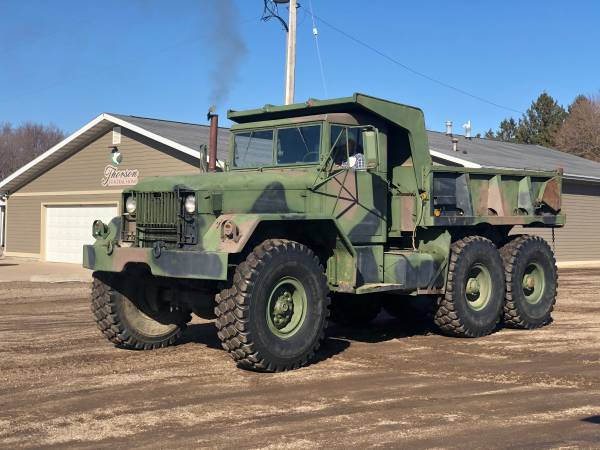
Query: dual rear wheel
[(516, 283)]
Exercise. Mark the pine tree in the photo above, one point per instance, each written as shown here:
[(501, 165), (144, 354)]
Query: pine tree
[(541, 122), (508, 130)]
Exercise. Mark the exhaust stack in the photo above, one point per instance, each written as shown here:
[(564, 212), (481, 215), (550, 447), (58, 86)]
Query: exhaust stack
[(212, 141)]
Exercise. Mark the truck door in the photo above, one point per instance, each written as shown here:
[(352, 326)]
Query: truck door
[(356, 193)]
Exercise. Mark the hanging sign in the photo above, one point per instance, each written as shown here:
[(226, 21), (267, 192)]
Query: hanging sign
[(119, 177)]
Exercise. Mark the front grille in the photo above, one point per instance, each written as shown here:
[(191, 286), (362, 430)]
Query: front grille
[(157, 218), (157, 209)]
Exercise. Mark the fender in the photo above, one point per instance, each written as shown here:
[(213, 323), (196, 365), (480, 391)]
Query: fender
[(231, 232)]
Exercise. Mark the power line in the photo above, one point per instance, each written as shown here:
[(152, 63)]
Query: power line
[(315, 32), (414, 71)]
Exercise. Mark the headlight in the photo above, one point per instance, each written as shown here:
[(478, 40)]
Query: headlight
[(190, 204), (99, 229), (130, 205)]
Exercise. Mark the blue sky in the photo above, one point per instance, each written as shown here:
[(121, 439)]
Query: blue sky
[(67, 61)]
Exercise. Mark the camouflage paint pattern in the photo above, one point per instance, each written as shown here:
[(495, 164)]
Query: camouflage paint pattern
[(366, 217)]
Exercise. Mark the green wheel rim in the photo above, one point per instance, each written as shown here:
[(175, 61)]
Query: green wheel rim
[(286, 307), (478, 287), (534, 283)]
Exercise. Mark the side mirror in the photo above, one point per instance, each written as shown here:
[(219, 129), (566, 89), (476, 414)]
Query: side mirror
[(369, 141)]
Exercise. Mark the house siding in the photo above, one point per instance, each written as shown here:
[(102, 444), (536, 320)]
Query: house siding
[(24, 225), (78, 180), (579, 239), (84, 169)]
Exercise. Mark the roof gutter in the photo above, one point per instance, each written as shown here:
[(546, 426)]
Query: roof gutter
[(570, 176)]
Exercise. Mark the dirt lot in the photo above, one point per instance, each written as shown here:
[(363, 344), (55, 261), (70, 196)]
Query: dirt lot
[(62, 385)]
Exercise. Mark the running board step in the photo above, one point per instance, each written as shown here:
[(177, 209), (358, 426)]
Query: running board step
[(379, 287)]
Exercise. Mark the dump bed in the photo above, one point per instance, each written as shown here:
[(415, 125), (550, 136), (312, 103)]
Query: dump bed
[(467, 196)]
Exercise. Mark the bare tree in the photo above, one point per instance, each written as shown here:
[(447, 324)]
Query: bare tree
[(580, 132), (19, 145)]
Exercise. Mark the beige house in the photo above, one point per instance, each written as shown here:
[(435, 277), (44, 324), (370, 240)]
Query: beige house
[(52, 201)]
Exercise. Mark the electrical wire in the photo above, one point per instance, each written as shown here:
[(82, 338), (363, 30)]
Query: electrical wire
[(414, 71), (315, 32), (271, 11)]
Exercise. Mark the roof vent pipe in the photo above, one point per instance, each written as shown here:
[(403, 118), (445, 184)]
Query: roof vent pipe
[(449, 127), (467, 127), (454, 144)]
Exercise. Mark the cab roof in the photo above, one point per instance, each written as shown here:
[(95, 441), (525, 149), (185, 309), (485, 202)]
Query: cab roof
[(357, 103)]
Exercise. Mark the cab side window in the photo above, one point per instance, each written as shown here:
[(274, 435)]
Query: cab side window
[(347, 146)]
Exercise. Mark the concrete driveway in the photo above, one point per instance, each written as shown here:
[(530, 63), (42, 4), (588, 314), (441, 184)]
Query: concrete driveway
[(21, 269)]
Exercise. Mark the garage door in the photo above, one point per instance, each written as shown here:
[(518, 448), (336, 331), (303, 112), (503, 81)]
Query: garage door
[(68, 228)]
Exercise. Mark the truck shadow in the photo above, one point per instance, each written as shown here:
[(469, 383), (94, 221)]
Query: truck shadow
[(201, 333), (384, 328), (337, 337), (592, 419), (206, 334)]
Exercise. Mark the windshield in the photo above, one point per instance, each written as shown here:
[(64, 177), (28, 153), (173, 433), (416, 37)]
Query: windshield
[(294, 145), (253, 149)]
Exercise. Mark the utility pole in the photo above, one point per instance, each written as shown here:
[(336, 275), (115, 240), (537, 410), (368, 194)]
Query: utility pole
[(290, 66), (271, 12)]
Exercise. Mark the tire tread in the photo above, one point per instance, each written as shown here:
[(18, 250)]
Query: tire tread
[(512, 317), (105, 312), (232, 308), (446, 317)]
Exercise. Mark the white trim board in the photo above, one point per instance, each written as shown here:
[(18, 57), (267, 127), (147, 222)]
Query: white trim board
[(454, 159)]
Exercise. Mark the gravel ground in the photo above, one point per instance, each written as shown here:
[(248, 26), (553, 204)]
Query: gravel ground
[(63, 386)]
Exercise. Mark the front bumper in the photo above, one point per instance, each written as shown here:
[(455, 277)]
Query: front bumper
[(201, 265)]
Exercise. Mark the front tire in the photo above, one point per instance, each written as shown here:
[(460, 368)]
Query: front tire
[(274, 315), (472, 304), (531, 282), (127, 320)]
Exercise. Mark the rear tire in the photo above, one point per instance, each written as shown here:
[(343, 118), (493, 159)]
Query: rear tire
[(273, 318), (531, 282), (127, 320), (474, 295)]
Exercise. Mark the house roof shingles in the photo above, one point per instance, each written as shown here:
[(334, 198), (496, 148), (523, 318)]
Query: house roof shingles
[(189, 134), (498, 154), (188, 137)]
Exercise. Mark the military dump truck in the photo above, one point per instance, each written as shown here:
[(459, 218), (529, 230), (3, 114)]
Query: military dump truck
[(324, 207)]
